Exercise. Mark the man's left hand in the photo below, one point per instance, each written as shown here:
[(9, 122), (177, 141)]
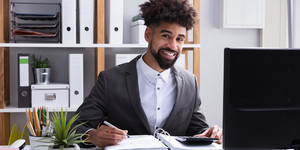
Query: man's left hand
[(213, 132)]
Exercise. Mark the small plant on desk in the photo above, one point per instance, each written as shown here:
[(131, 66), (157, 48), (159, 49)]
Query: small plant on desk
[(64, 137)]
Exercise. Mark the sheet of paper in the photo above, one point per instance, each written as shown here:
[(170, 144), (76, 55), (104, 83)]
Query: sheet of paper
[(139, 142)]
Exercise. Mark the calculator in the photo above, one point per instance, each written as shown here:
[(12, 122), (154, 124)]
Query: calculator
[(196, 140)]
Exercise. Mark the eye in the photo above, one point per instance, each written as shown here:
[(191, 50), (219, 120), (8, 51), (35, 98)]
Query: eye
[(180, 39), (165, 35)]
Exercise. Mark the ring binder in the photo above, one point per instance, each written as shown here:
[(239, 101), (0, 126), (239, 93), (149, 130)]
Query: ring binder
[(161, 131)]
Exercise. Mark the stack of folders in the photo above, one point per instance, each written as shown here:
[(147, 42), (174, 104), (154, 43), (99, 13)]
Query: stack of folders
[(38, 122)]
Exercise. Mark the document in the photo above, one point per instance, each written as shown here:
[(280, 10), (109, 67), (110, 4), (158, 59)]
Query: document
[(137, 142)]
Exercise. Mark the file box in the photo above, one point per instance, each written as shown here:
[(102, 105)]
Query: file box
[(50, 95), (137, 32)]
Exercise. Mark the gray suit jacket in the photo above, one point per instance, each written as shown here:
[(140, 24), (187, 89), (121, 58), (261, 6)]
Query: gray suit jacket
[(116, 96)]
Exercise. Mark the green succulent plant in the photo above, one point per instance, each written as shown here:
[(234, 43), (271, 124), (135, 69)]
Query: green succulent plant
[(39, 63), (63, 135)]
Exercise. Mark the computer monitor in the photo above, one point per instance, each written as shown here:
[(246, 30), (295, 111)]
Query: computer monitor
[(261, 98)]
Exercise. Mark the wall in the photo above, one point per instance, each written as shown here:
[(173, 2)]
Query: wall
[(213, 40)]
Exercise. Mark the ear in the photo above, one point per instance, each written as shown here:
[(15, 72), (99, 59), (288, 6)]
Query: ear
[(148, 34)]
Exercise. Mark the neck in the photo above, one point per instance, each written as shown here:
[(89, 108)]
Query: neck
[(151, 62)]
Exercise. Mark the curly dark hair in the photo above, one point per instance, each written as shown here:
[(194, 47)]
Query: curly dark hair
[(173, 11)]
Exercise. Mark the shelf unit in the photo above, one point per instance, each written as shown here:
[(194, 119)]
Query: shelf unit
[(86, 45), (10, 109), (99, 56)]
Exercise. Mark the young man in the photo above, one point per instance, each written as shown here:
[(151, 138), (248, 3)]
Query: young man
[(149, 92)]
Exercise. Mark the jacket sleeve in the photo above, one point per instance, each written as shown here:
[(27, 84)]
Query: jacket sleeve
[(198, 122), (93, 109)]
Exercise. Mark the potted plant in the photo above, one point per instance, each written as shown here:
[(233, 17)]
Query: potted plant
[(42, 70), (64, 137)]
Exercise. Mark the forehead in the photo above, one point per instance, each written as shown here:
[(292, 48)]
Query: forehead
[(174, 28)]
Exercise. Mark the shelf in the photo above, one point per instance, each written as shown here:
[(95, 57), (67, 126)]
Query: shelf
[(11, 109), (51, 45)]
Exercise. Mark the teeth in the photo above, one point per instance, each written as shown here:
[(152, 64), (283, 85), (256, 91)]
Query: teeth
[(170, 54)]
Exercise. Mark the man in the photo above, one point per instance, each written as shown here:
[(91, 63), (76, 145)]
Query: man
[(149, 92)]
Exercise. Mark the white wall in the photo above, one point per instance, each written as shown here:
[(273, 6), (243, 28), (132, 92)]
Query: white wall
[(213, 40)]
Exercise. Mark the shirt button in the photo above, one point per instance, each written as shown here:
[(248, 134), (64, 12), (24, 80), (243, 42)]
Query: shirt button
[(158, 108), (156, 127), (158, 88), (158, 74)]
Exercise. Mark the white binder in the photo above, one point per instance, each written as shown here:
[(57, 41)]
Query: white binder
[(68, 21), (86, 21), (76, 79), (115, 21)]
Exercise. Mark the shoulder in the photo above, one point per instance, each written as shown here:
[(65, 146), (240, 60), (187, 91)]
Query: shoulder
[(122, 69), (182, 72)]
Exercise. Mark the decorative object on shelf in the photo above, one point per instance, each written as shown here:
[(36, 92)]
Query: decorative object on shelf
[(42, 70), (64, 137)]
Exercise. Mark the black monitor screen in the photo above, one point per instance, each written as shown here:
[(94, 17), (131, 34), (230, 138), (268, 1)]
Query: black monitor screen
[(261, 98)]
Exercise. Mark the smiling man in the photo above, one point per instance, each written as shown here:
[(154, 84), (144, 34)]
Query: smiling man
[(149, 92)]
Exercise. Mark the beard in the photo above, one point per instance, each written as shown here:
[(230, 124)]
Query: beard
[(163, 62)]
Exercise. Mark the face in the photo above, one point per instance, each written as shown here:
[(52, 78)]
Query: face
[(165, 45)]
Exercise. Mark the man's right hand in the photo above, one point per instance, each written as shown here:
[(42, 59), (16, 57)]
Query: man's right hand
[(106, 135)]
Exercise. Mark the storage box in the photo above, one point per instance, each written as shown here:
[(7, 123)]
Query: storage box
[(50, 95), (137, 32)]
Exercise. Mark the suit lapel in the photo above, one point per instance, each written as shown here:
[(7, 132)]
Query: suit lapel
[(133, 91), (178, 100)]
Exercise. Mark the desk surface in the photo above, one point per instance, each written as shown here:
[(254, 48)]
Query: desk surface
[(27, 147)]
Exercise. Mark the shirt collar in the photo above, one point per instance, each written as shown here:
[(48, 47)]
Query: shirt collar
[(151, 74)]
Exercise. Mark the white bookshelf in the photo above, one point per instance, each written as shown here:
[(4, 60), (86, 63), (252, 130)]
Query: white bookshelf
[(12, 109), (49, 45)]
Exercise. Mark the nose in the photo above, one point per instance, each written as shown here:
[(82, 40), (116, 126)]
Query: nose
[(172, 44)]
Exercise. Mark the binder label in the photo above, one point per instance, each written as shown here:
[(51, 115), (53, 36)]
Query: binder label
[(24, 71)]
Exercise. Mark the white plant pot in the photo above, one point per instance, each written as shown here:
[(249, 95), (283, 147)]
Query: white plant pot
[(76, 147)]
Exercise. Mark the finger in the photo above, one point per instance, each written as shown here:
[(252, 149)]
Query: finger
[(126, 131), (114, 130), (199, 135), (220, 133), (120, 134), (204, 133), (220, 136), (214, 132)]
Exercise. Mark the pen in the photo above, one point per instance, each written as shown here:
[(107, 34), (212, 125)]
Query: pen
[(109, 124)]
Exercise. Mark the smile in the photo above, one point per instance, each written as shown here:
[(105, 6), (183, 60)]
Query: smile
[(169, 53)]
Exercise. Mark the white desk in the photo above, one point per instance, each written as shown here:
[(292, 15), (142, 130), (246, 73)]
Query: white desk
[(207, 147), (27, 147)]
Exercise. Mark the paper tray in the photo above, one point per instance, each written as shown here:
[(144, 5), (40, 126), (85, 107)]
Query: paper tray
[(35, 16)]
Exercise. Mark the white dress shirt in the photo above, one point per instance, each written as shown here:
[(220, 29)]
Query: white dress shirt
[(157, 93)]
